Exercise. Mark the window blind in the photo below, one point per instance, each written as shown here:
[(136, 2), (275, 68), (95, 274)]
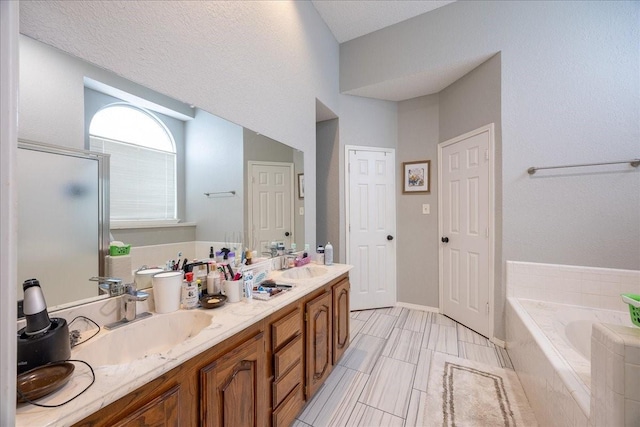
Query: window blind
[(142, 180)]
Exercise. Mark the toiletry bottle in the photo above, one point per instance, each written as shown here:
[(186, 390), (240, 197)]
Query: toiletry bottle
[(320, 255), (211, 253), (248, 256), (328, 254), (211, 279), (248, 284), (189, 292)]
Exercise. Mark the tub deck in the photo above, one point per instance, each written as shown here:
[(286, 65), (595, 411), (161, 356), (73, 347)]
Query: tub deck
[(568, 328)]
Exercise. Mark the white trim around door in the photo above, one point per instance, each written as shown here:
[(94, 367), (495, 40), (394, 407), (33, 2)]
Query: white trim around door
[(370, 220), (489, 157)]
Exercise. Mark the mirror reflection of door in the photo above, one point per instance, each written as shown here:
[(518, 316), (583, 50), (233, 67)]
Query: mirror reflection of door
[(271, 203)]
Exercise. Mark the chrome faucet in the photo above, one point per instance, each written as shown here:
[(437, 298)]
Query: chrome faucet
[(273, 251), (111, 285), (128, 311)]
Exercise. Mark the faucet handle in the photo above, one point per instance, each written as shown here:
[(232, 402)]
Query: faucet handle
[(111, 284), (130, 289)]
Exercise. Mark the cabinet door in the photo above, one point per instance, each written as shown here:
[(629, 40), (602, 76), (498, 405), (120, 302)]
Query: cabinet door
[(233, 387), (319, 341), (341, 316), (161, 411)]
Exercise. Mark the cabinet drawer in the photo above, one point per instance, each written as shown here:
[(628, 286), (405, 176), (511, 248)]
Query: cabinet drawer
[(286, 413), (284, 359), (286, 328), (286, 383)]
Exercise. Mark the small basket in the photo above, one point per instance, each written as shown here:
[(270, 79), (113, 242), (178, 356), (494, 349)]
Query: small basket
[(119, 250), (634, 307), (302, 261)]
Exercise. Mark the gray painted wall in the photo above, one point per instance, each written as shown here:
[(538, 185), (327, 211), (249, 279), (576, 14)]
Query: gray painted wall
[(328, 185), (417, 248), (214, 150), (366, 122), (472, 102), (569, 95), (258, 64)]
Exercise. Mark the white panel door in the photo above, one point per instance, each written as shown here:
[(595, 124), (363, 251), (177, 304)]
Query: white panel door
[(372, 228), (464, 225), (271, 203)]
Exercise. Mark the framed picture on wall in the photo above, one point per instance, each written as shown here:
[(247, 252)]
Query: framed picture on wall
[(416, 177), (300, 186)]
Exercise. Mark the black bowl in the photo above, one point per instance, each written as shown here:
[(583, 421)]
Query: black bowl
[(212, 301)]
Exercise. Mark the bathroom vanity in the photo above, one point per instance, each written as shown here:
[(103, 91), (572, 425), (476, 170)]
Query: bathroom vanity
[(255, 365)]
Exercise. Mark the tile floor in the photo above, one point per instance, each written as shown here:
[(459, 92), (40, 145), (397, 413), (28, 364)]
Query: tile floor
[(382, 378)]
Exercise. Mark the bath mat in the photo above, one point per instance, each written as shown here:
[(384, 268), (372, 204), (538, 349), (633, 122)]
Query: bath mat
[(462, 392)]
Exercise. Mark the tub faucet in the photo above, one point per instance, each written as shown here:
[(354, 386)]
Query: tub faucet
[(128, 312)]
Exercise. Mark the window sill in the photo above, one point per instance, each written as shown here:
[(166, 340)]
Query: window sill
[(133, 225)]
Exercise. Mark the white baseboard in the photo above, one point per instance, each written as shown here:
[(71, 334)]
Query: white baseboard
[(418, 307)]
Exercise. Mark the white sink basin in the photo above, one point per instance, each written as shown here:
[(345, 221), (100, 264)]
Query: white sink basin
[(156, 334), (305, 272)]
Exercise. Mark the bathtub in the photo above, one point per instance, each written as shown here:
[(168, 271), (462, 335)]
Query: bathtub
[(550, 347)]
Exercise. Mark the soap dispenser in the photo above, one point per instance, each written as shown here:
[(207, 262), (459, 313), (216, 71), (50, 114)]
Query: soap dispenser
[(189, 292)]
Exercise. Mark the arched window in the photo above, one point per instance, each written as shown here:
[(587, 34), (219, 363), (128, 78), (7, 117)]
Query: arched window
[(142, 165)]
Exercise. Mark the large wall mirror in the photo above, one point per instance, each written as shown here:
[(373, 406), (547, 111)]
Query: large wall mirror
[(219, 164)]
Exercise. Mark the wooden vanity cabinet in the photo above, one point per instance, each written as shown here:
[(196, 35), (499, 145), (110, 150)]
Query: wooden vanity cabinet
[(260, 376), (286, 367), (162, 411), (177, 397), (319, 341), (232, 387), (327, 331), (341, 316)]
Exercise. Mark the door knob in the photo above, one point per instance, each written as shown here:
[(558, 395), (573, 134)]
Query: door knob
[(287, 234), (389, 237), (445, 240)]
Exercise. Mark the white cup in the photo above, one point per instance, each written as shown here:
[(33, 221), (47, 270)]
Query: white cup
[(232, 289), (143, 278), (167, 290)]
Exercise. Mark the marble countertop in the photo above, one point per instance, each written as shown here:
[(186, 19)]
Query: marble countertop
[(115, 381)]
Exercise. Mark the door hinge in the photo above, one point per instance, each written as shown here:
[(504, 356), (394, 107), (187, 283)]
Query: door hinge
[(349, 167), (306, 316), (487, 308), (486, 232), (486, 154)]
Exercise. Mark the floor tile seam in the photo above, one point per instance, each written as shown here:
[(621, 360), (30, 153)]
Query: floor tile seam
[(319, 391), (392, 356), (501, 358), (358, 396), (374, 362), (414, 370), (386, 412)]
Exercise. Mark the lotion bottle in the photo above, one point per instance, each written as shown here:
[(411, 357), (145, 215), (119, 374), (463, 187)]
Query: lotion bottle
[(328, 254), (189, 292)]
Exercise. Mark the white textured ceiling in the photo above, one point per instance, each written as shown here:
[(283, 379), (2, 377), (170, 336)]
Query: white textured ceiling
[(349, 19)]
